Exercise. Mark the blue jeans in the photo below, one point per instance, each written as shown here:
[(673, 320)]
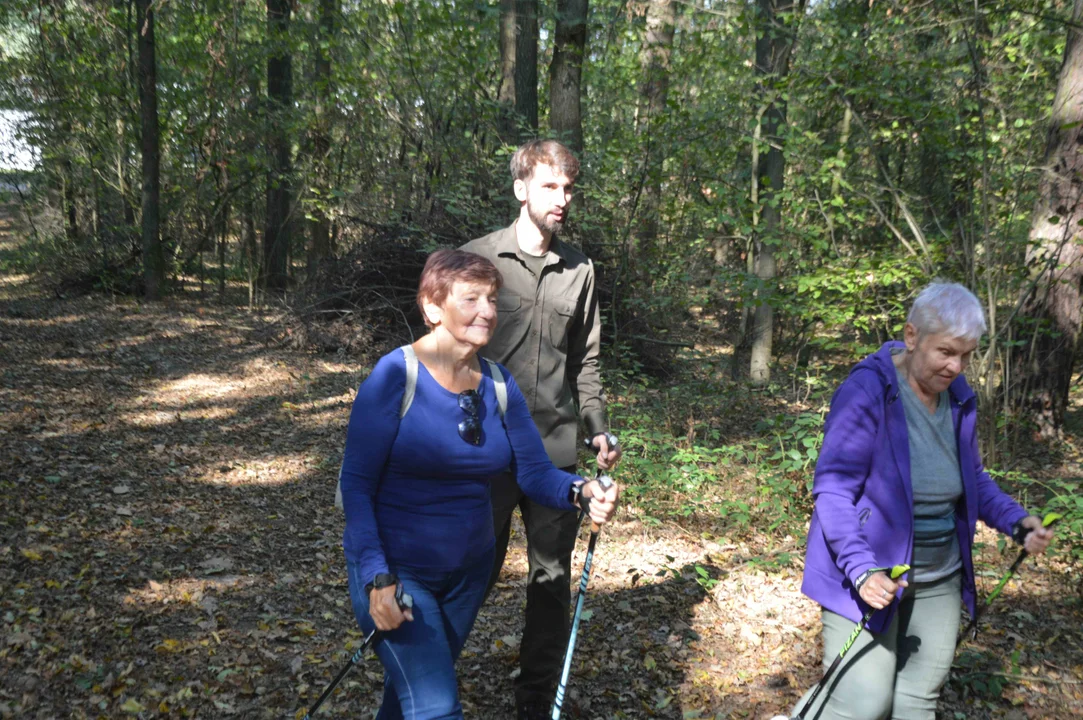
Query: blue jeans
[(419, 656)]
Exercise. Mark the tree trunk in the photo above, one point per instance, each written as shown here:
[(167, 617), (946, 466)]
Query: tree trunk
[(71, 215), (320, 224), (506, 96), (153, 257), (276, 236), (777, 33), (654, 91), (526, 68), (566, 72), (1056, 246)]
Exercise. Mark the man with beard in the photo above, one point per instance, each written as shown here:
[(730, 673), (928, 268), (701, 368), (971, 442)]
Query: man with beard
[(548, 335)]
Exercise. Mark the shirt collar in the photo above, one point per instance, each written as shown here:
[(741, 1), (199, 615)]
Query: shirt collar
[(507, 244)]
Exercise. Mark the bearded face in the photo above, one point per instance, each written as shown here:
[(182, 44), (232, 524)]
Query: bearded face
[(547, 195)]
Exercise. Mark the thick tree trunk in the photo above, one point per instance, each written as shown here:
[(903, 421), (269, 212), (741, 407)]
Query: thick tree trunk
[(566, 73), (320, 224), (153, 257), (654, 92), (506, 95), (276, 236), (777, 33), (1056, 250), (526, 68)]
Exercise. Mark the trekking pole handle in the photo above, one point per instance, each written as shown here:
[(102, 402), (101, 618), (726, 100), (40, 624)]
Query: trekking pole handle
[(610, 439), (405, 602), (606, 482)]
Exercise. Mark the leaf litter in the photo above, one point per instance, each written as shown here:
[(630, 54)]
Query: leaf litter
[(169, 548)]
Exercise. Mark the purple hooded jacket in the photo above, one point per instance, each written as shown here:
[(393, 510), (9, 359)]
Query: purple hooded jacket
[(864, 516)]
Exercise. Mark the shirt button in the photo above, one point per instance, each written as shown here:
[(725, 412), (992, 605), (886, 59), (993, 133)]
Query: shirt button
[(533, 333)]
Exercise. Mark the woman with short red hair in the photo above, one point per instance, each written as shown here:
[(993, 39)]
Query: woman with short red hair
[(415, 485)]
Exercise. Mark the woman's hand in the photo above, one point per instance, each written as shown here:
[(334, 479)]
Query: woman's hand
[(603, 503), (1037, 540), (384, 609), (879, 590)]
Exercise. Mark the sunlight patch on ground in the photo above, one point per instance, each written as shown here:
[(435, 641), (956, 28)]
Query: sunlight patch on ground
[(158, 418), (13, 280), (75, 364), (187, 590), (201, 387), (280, 469)]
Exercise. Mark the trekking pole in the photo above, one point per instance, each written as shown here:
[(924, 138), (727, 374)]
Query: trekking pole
[(895, 572), (972, 627), (405, 603), (606, 482)]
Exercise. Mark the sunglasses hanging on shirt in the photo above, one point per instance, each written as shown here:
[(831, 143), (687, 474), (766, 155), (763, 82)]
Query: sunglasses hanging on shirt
[(470, 428)]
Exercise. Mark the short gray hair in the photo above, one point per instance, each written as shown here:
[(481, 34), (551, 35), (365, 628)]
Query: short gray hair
[(943, 307)]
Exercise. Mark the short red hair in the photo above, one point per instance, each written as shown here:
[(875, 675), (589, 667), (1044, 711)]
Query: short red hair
[(444, 268)]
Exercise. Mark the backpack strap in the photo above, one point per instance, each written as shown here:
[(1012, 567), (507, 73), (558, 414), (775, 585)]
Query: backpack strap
[(407, 400), (411, 379), (501, 387)]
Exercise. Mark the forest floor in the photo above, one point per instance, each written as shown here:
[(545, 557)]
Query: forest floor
[(169, 548)]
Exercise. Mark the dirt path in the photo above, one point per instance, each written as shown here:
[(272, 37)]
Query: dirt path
[(168, 548)]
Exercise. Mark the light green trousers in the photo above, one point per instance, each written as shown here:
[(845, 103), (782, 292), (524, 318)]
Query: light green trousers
[(898, 673)]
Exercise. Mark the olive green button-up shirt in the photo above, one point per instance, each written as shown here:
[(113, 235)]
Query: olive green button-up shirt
[(548, 334)]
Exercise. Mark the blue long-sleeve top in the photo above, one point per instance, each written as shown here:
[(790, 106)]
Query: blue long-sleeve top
[(417, 494)]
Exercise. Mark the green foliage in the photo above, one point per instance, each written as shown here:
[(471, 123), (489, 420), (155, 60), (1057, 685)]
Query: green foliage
[(678, 464), (1053, 495)]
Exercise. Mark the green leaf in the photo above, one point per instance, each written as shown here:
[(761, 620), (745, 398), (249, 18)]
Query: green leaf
[(1050, 518)]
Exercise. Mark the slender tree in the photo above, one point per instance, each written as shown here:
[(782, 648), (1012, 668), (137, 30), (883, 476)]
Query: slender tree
[(1055, 253), (566, 72), (654, 93), (276, 237), (776, 35), (320, 246), (153, 257), (506, 94), (526, 68)]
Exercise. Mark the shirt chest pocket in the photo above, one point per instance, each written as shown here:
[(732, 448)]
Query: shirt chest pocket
[(508, 302), (561, 313)]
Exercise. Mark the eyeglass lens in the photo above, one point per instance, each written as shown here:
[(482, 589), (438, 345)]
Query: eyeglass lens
[(470, 428)]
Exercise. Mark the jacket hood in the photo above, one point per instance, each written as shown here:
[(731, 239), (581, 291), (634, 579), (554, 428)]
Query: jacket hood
[(883, 366)]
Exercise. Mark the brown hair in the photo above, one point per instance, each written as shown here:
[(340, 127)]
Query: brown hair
[(446, 267), (548, 152)]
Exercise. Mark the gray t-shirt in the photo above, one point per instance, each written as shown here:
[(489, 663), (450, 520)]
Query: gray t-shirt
[(535, 262), (937, 484)]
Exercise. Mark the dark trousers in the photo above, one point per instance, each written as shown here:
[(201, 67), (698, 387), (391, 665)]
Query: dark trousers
[(550, 537)]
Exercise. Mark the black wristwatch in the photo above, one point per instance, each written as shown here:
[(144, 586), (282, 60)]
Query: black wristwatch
[(575, 497), (1020, 532), (381, 580), (865, 576)]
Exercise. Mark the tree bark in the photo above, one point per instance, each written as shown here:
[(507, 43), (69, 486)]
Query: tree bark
[(1055, 254), (320, 224), (153, 257), (566, 73), (654, 92), (777, 33), (506, 96), (526, 68), (276, 236)]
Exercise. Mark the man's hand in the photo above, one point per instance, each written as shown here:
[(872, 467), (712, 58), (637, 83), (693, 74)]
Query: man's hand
[(384, 609), (1037, 540), (603, 503), (608, 457)]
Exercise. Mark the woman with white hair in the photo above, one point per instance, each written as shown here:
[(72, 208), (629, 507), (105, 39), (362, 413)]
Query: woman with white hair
[(899, 482)]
